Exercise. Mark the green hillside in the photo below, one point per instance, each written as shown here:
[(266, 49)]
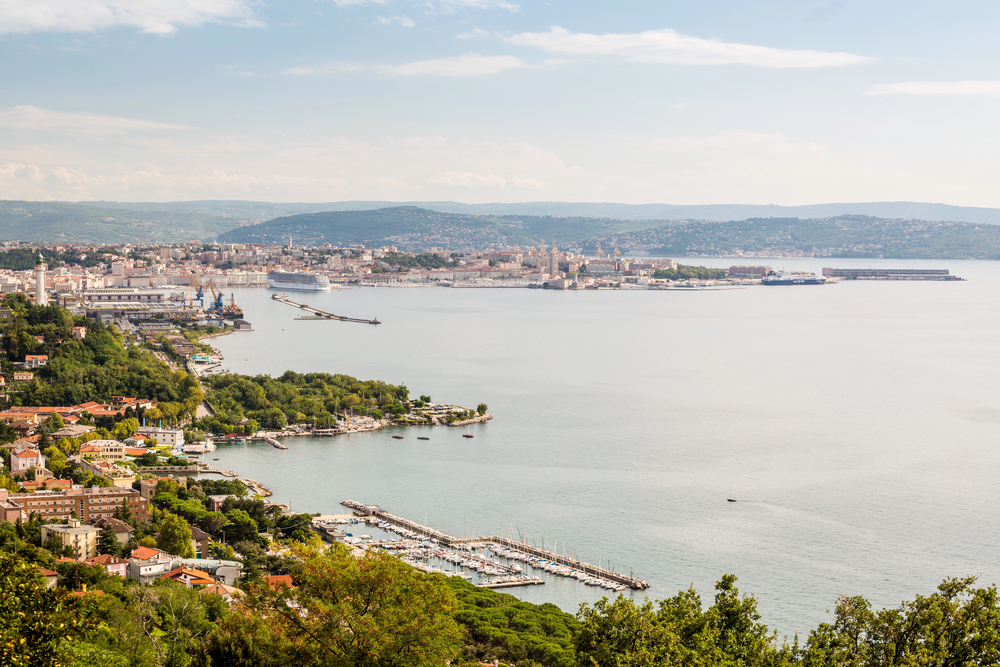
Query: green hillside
[(52, 222), (412, 228)]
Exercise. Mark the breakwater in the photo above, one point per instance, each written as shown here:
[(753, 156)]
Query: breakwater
[(498, 541), (318, 314)]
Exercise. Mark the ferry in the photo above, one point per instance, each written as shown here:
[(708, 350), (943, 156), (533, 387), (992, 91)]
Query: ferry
[(793, 279), (302, 281)]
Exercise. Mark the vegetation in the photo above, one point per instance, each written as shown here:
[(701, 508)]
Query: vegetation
[(295, 397), (843, 236), (93, 369), (682, 272)]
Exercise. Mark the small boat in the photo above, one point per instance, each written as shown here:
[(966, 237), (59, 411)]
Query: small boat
[(731, 500), (422, 437), (397, 437), (468, 435), (215, 459)]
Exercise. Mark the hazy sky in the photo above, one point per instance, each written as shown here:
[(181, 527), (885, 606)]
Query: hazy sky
[(670, 101)]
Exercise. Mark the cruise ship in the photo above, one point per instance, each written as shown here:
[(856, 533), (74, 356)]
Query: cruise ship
[(298, 280)]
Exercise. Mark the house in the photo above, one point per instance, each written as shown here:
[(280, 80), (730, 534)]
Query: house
[(81, 538), (47, 483), (146, 571), (147, 487), (23, 376), (226, 571), (136, 440), (149, 553), (21, 461), (51, 578), (112, 564), (123, 531), (215, 502), (36, 360), (227, 592), (172, 437), (188, 577), (276, 581), (79, 333), (200, 541)]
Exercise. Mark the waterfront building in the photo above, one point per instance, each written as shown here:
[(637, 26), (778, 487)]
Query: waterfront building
[(172, 437), (749, 271)]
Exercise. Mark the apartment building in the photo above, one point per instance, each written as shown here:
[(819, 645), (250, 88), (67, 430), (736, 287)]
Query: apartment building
[(88, 504)]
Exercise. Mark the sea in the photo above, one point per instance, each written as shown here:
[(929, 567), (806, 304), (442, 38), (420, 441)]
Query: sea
[(856, 424)]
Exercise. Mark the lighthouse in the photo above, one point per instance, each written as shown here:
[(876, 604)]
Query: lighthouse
[(41, 298)]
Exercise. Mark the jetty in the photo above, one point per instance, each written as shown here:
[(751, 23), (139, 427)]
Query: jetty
[(274, 443), (499, 541), (318, 314)]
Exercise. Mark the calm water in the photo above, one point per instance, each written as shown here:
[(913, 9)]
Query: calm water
[(856, 424)]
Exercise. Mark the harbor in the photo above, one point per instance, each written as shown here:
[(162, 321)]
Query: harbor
[(508, 558)]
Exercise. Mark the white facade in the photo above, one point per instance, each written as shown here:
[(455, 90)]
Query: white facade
[(173, 437)]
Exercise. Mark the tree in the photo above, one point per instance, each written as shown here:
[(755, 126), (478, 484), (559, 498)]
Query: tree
[(175, 536), (148, 459), (481, 409), (124, 512), (35, 620), (346, 610), (107, 542), (240, 527)]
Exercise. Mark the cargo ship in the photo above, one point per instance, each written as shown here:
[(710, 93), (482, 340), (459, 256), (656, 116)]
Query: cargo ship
[(298, 280), (793, 279)]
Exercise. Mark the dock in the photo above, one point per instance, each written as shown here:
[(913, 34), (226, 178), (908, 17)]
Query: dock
[(318, 314), (499, 541)]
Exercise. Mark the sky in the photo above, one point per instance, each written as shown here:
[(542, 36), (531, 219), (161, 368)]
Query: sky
[(670, 101)]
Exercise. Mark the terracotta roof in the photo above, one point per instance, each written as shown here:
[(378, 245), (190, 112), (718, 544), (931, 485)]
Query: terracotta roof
[(199, 578), (106, 559), (47, 573), (27, 454), (145, 553), (276, 580), (221, 589)]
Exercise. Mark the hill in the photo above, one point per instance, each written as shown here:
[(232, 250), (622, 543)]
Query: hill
[(260, 211), (52, 222), (843, 236), (412, 228)]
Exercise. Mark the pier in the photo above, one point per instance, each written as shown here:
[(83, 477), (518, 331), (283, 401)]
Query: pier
[(318, 314), (523, 547)]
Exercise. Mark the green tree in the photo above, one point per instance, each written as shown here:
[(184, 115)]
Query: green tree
[(35, 620), (124, 512), (241, 526), (175, 536), (107, 542), (345, 610), (482, 408)]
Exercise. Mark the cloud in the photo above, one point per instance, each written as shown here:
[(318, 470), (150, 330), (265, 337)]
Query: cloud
[(34, 118), (451, 6), (731, 141), (470, 64), (473, 34), (671, 48), (329, 67), (991, 88), (151, 16), (404, 21), (474, 181)]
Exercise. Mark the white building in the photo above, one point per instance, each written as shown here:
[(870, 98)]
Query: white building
[(173, 437), (22, 461)]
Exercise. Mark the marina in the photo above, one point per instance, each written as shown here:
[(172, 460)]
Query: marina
[(510, 551)]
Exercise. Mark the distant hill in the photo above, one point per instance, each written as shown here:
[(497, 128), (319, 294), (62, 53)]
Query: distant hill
[(842, 236), (259, 211), (52, 222), (417, 229), (413, 228)]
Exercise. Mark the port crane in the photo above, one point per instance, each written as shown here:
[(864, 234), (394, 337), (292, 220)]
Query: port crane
[(200, 296)]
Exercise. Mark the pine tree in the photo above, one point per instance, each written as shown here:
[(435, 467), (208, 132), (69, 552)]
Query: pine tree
[(123, 512), (107, 542)]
